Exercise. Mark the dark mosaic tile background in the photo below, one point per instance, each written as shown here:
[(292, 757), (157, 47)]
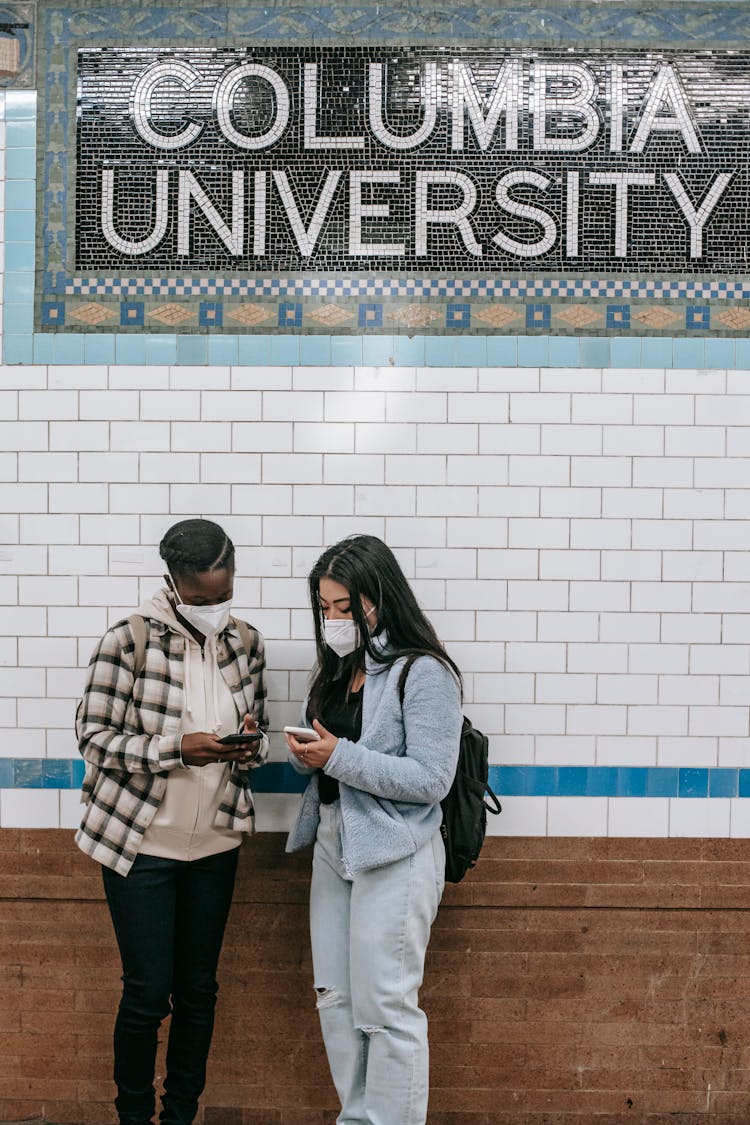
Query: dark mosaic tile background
[(654, 237)]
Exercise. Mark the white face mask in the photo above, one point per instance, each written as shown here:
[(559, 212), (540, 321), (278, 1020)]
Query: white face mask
[(207, 619), (341, 635)]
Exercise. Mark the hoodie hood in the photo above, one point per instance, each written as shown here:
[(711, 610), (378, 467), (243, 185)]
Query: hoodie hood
[(379, 642), (159, 608)]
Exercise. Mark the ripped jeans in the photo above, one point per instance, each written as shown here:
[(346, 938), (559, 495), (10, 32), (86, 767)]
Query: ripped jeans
[(369, 938)]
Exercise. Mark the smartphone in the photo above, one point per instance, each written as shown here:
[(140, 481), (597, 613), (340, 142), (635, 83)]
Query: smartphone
[(303, 734), (240, 739)]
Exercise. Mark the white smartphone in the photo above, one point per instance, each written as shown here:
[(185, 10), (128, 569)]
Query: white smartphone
[(302, 734)]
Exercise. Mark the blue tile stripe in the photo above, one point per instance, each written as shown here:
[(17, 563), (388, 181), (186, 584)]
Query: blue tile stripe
[(509, 781)]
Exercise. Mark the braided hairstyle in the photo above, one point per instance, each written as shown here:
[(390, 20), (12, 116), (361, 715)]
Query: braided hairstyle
[(196, 546)]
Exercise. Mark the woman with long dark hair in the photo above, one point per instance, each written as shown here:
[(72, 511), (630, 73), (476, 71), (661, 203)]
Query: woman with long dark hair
[(384, 754), (167, 802)]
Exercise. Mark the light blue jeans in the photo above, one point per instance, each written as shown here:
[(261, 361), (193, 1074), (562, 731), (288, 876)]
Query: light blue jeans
[(369, 938)]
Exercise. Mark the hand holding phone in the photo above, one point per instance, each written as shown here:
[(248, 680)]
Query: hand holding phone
[(303, 734), (240, 739), (312, 747)]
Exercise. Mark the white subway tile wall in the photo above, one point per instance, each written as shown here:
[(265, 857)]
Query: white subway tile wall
[(578, 538)]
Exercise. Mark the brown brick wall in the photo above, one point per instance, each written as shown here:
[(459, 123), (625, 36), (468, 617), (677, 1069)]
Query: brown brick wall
[(569, 981)]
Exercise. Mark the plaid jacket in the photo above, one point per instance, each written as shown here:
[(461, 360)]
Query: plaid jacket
[(129, 735)]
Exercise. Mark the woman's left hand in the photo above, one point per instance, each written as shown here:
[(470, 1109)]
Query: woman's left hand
[(314, 754)]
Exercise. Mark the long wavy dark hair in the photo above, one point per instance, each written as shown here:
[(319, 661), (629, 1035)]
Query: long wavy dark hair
[(364, 565)]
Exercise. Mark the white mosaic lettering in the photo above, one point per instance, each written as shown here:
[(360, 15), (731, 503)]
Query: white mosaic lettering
[(574, 96), (161, 216), (306, 237), (223, 101), (666, 88), (429, 103), (189, 188), (504, 97), (525, 211), (572, 204), (359, 210), (622, 181), (260, 194), (616, 107), (312, 140), (697, 217), (458, 216), (142, 95), (404, 158)]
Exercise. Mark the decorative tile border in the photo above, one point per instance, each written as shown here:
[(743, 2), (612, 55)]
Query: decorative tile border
[(481, 306), (489, 287), (509, 781)]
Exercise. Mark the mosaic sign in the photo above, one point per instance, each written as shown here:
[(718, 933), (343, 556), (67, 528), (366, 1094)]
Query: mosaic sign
[(394, 180), (322, 159)]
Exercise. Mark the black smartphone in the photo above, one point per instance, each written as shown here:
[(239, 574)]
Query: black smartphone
[(240, 739)]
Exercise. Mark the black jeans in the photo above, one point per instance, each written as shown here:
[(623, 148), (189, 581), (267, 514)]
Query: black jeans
[(169, 918)]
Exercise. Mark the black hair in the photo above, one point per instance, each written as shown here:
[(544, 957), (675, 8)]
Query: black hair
[(364, 565), (196, 546)]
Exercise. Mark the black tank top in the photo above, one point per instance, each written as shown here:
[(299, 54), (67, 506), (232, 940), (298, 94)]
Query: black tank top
[(342, 716)]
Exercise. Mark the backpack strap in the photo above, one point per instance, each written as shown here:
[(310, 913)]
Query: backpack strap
[(493, 805), (139, 629), (402, 677), (405, 672)]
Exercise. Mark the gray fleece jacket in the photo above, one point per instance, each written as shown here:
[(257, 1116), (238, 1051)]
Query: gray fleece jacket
[(393, 779)]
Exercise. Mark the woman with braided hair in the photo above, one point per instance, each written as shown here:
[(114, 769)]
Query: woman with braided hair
[(167, 801)]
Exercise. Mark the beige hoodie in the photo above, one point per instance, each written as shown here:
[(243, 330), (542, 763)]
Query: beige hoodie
[(183, 826)]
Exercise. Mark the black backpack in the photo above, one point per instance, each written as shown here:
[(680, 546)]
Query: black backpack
[(465, 806)]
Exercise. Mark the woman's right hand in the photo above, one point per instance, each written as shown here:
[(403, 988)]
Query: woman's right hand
[(313, 754), (202, 749)]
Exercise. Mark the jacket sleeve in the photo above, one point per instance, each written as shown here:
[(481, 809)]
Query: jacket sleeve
[(256, 662), (432, 729), (103, 740)]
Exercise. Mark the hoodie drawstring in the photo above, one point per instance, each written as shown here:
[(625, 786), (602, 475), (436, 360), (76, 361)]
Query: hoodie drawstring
[(210, 664), (186, 676), (213, 657), (160, 608)]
